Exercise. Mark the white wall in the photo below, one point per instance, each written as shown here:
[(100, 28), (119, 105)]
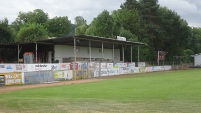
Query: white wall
[(65, 51), (197, 60)]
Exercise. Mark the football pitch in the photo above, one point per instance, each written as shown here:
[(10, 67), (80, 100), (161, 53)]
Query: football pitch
[(158, 92)]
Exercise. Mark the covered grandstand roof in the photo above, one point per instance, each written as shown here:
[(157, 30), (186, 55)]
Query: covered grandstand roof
[(81, 40)]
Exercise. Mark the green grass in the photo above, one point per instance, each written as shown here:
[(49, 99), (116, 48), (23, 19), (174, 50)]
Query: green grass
[(160, 92)]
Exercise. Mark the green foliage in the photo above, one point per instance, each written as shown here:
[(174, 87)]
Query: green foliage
[(6, 35), (195, 41), (37, 16), (31, 32), (104, 21), (128, 20), (58, 26), (81, 30), (187, 55), (172, 92), (79, 20)]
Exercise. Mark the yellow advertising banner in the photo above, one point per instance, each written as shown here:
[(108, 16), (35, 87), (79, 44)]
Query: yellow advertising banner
[(13, 78), (82, 74), (59, 74)]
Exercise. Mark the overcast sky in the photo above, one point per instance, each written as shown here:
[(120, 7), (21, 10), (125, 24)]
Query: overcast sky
[(189, 10)]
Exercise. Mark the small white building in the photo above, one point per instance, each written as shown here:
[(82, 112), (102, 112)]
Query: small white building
[(197, 59)]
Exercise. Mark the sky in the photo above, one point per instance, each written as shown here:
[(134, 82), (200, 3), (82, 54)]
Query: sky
[(189, 10)]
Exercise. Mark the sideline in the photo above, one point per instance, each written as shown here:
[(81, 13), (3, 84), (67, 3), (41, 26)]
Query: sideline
[(4, 89)]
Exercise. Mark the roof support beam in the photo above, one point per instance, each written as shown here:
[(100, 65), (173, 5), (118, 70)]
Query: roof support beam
[(122, 52), (113, 53), (74, 58), (102, 51), (89, 64), (36, 53), (138, 51), (131, 53), (18, 53)]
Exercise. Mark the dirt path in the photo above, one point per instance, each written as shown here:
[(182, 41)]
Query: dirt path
[(4, 89)]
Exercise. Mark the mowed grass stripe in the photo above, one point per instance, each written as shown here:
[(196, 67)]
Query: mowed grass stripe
[(163, 92)]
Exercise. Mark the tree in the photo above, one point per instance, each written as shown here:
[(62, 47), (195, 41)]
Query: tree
[(37, 16), (31, 32), (6, 35), (128, 20), (130, 5), (79, 20), (81, 30), (195, 40), (102, 25), (58, 26)]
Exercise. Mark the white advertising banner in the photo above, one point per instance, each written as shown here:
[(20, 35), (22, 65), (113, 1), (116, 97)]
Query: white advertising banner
[(65, 66), (42, 67), (113, 71), (131, 65), (167, 67), (141, 64), (104, 72), (110, 65), (92, 65), (4, 68), (148, 69), (103, 65), (136, 70)]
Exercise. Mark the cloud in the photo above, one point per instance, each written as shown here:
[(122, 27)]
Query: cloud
[(71, 8), (189, 10)]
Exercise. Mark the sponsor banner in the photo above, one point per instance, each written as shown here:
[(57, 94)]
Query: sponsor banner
[(65, 66), (109, 65), (116, 65), (156, 68), (162, 68), (130, 70), (123, 70), (141, 69), (125, 65), (96, 72), (59, 75), (13, 78), (167, 67), (97, 65), (148, 69), (141, 64), (136, 70), (92, 65), (73, 66), (82, 74), (104, 72), (63, 75), (42, 67), (4, 68), (113, 71), (69, 74), (20, 67), (103, 65), (77, 65), (55, 67), (38, 77), (120, 65), (84, 65), (131, 65)]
